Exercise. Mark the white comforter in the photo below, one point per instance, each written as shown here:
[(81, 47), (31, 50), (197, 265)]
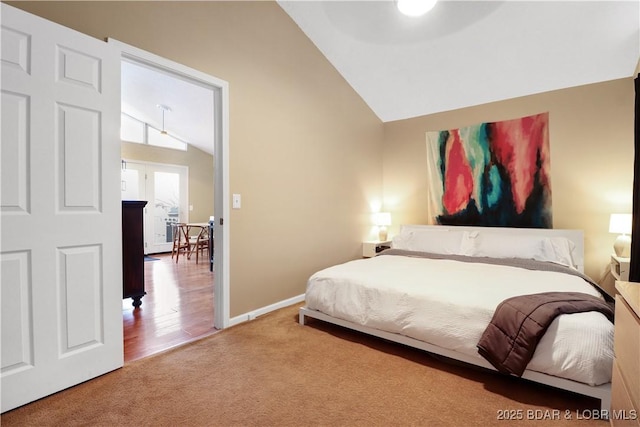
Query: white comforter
[(449, 304)]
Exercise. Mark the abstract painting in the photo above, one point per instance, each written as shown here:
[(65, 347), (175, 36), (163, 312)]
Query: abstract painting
[(491, 174)]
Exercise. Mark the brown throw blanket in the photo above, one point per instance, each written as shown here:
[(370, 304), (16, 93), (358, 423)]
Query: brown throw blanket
[(518, 323)]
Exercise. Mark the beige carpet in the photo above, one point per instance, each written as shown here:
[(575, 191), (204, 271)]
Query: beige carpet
[(274, 372)]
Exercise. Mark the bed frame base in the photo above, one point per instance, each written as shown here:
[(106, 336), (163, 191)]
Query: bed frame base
[(602, 392)]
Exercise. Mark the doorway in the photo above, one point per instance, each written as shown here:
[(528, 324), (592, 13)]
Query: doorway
[(168, 316), (220, 120)]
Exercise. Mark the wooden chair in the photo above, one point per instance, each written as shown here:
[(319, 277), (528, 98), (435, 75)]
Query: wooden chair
[(181, 241), (199, 242)]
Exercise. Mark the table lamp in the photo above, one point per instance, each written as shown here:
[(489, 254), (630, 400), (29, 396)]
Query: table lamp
[(621, 224), (383, 220)]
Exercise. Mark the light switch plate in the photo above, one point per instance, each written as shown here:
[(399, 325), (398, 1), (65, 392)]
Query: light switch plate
[(237, 201)]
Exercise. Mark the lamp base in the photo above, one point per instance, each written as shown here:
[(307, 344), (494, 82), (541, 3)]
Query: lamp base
[(382, 233), (622, 246)]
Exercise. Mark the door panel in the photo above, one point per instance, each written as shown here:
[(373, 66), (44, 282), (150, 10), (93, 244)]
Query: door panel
[(80, 297), (77, 154), (60, 214), (17, 325), (14, 160)]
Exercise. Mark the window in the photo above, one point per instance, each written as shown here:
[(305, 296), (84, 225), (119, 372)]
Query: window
[(131, 130), (137, 131)]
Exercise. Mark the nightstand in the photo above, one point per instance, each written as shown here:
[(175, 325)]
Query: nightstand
[(625, 385), (620, 268), (372, 247)]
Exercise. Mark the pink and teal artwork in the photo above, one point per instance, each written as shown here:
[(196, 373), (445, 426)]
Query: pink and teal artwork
[(491, 174)]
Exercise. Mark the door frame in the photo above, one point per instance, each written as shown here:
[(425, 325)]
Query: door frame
[(220, 119)]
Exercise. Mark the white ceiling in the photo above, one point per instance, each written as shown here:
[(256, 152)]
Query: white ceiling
[(460, 54), (466, 53)]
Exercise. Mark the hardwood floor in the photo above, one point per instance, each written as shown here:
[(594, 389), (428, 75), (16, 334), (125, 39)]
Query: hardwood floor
[(178, 307)]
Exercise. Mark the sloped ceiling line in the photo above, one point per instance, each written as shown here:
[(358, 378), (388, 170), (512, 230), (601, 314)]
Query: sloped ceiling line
[(466, 53)]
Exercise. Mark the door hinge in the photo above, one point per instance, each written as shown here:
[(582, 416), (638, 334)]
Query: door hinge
[(221, 221)]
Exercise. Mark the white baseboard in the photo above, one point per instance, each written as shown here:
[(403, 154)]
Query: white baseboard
[(264, 310)]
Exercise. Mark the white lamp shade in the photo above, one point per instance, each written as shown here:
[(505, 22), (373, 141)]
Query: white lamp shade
[(383, 219), (620, 223)]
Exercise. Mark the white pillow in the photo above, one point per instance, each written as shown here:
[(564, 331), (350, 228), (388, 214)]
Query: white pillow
[(399, 241), (436, 241), (501, 245), (563, 249)]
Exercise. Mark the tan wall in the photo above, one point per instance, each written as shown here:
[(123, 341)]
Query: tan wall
[(591, 142), (200, 173), (305, 151)]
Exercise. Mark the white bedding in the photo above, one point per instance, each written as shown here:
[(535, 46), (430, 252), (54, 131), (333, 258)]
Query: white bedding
[(444, 303)]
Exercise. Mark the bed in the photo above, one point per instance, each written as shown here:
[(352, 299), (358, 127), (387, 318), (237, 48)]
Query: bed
[(438, 288)]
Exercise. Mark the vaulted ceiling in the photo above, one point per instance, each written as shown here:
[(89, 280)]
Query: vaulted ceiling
[(465, 53)]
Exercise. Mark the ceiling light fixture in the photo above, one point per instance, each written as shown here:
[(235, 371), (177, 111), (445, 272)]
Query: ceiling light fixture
[(163, 108), (415, 7)]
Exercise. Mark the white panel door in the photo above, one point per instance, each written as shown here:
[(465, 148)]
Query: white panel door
[(61, 246)]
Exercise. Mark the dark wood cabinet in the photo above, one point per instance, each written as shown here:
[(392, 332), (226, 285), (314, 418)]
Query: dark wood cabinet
[(133, 250)]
